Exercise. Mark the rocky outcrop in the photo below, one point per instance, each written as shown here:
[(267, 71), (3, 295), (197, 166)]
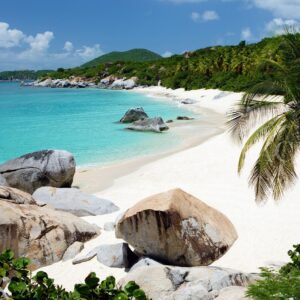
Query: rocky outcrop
[(187, 101), (134, 114), (15, 196), (199, 283), (121, 84), (74, 201), (177, 228), (42, 168), (151, 124), (40, 233)]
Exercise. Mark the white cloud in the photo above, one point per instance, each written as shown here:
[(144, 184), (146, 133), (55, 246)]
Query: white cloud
[(89, 52), (280, 8), (167, 54), (278, 26), (246, 34), (21, 51), (40, 42), (206, 16), (9, 37), (68, 46)]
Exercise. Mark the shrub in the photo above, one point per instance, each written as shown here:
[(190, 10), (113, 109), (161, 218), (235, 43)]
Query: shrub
[(279, 285), (14, 274)]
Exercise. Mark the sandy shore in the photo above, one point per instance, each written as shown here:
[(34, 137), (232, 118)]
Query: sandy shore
[(206, 169)]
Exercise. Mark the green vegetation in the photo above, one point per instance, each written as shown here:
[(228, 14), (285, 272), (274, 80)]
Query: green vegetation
[(23, 74), (232, 68), (279, 285), (23, 286), (274, 170), (134, 55)]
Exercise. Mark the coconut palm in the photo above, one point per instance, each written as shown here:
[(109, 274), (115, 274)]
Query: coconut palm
[(275, 121)]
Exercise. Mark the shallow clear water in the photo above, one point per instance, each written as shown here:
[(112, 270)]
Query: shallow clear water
[(82, 121)]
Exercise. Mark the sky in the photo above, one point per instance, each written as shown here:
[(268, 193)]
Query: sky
[(38, 34)]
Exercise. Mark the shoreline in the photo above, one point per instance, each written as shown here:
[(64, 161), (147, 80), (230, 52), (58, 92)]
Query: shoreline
[(208, 171), (86, 177)]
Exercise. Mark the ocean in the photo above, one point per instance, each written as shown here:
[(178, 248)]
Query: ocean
[(82, 121)]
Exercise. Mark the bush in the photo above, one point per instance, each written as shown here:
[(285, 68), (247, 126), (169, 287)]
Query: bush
[(279, 285), (14, 274)]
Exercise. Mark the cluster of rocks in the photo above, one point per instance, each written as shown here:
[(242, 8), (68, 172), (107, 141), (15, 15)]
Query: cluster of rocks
[(171, 238), (45, 226), (60, 83), (109, 82), (40, 233), (115, 83), (140, 121)]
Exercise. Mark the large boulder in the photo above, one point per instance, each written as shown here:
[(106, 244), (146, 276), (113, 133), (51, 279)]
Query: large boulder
[(198, 283), (40, 233), (176, 228), (134, 114), (74, 201), (15, 196), (42, 168), (151, 124)]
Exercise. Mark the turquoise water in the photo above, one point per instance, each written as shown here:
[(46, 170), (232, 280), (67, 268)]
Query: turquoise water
[(82, 121)]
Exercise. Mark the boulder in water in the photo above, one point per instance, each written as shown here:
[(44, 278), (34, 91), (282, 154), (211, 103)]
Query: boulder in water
[(151, 124), (134, 114)]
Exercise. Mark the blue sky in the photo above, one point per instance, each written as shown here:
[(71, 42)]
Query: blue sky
[(38, 34)]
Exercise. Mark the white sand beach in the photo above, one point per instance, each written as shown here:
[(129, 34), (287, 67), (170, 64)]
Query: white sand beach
[(205, 168)]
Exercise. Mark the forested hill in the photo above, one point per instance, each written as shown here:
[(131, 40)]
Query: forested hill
[(232, 68), (23, 74), (134, 55)]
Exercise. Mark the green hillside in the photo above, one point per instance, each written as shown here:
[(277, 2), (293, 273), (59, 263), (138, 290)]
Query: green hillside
[(134, 55), (232, 68), (23, 74)]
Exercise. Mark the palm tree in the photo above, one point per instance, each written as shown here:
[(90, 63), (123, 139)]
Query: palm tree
[(274, 170)]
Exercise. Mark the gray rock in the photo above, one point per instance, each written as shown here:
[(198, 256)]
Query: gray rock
[(144, 262), (40, 233), (43, 168), (187, 101), (134, 114), (73, 250), (74, 201), (116, 255), (198, 283), (111, 255), (84, 258), (123, 84), (151, 124), (109, 226), (184, 118), (169, 121), (3, 181)]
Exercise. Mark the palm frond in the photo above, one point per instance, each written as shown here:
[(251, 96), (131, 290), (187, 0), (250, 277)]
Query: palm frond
[(269, 128), (248, 112), (274, 170)]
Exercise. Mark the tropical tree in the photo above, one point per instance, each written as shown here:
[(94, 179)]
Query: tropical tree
[(275, 121)]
